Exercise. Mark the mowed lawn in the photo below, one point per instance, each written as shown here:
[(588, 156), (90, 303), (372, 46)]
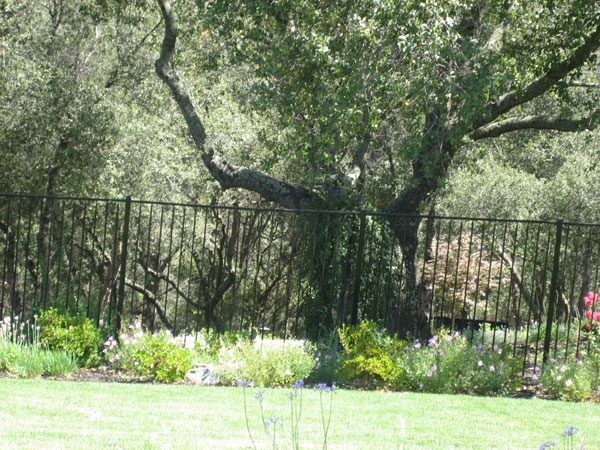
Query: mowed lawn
[(45, 414)]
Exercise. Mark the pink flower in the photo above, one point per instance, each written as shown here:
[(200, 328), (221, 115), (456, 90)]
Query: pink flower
[(563, 368), (568, 382), (480, 363), (492, 368), (589, 313), (596, 315), (580, 362), (558, 378)]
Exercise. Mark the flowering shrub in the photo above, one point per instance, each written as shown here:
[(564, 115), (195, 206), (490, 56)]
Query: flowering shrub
[(571, 381), (327, 366), (577, 381), (152, 356), (269, 362), (450, 364), (75, 334), (369, 356), (592, 322)]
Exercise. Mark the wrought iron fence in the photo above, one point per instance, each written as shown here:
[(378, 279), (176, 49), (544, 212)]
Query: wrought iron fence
[(295, 273)]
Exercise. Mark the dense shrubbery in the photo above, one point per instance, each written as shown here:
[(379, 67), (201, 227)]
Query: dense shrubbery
[(366, 357), (449, 363), (76, 334), (268, 362), (369, 356), (155, 357)]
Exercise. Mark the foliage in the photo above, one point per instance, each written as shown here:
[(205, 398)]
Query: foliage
[(267, 362), (328, 363), (154, 357), (451, 364), (209, 345), (76, 334), (578, 381), (462, 272), (22, 354), (368, 358), (572, 381)]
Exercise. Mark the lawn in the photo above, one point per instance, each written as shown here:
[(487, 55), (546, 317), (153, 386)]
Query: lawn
[(79, 415)]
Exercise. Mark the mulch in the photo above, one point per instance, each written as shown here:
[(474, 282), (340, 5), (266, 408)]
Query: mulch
[(99, 375)]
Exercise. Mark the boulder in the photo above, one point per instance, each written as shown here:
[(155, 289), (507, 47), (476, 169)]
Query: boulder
[(202, 375)]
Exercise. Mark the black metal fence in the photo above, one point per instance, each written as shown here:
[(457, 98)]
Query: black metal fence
[(294, 273)]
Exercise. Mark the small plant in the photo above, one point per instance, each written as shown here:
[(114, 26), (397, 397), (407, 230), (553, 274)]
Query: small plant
[(77, 334), (155, 357), (369, 356), (567, 438), (271, 424), (22, 354)]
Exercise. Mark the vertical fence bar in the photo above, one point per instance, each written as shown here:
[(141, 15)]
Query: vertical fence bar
[(125, 238), (553, 286), (358, 270)]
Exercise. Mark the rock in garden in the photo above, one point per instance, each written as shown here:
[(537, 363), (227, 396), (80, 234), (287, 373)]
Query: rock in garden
[(201, 376)]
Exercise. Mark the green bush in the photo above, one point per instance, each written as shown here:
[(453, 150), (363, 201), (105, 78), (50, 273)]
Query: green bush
[(368, 359), (151, 356), (327, 363), (267, 362), (572, 381), (451, 364), (77, 334)]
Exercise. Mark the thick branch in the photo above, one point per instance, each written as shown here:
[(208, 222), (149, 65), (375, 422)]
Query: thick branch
[(540, 122), (150, 297), (225, 174), (541, 85)]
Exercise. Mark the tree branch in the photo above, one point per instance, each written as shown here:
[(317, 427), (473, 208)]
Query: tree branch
[(228, 176), (541, 85), (540, 122)]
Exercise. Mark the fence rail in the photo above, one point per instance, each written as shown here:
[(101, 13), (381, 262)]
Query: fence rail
[(295, 273)]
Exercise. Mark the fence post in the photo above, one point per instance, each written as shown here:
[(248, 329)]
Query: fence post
[(124, 239), (358, 270), (553, 289)]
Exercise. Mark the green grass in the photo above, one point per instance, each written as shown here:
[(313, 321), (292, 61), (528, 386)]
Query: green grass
[(76, 415)]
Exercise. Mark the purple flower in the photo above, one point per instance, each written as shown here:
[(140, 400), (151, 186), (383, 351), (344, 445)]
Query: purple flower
[(570, 431), (547, 444), (245, 384), (298, 384), (258, 396), (322, 387), (492, 368)]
